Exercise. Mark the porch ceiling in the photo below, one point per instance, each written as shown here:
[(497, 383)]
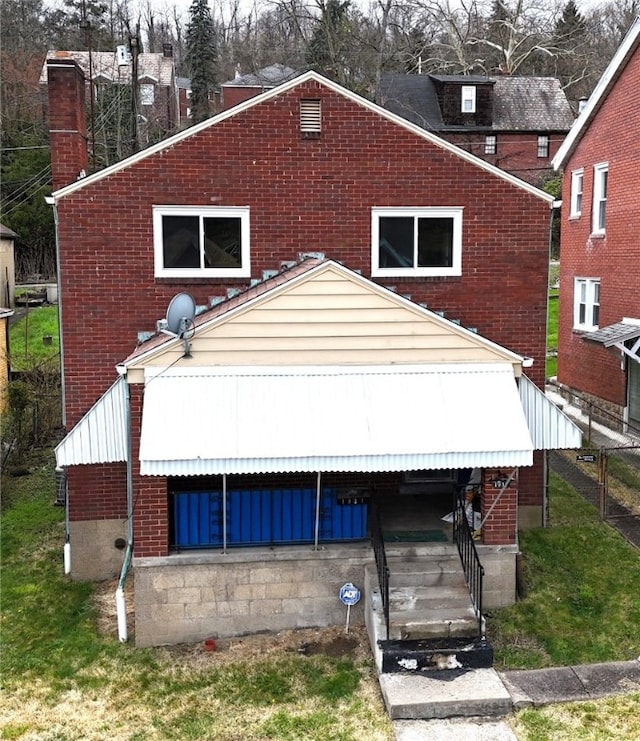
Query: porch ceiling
[(233, 420)]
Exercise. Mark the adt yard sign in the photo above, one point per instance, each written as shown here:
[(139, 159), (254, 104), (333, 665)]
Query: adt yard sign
[(349, 595)]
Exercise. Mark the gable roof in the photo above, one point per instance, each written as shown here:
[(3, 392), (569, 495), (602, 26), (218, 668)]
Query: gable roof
[(609, 78), (274, 74), (206, 416), (433, 338), (519, 103), (105, 64), (279, 90)]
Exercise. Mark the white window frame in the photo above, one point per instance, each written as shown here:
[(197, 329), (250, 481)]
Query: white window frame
[(434, 212), (491, 144), (544, 144), (586, 303), (577, 190), (600, 189), (241, 212), (468, 95)]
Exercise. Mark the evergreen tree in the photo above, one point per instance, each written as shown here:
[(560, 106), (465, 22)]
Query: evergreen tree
[(201, 58)]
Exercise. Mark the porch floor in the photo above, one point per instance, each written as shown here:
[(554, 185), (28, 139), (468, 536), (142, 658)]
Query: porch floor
[(416, 512)]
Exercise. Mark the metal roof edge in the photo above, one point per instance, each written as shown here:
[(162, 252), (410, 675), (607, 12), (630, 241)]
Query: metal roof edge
[(605, 83)]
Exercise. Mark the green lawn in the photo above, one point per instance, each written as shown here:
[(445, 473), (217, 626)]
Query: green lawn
[(34, 338), (583, 592), (552, 334)]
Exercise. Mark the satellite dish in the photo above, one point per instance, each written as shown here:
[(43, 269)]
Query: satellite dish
[(180, 313)]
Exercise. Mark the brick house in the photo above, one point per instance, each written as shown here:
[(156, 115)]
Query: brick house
[(246, 86), (516, 123), (349, 304), (599, 323)]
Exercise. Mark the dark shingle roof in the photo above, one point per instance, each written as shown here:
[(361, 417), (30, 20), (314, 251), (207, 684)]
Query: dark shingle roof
[(274, 74), (520, 103)]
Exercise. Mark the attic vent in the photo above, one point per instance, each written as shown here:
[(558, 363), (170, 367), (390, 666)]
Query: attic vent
[(310, 118)]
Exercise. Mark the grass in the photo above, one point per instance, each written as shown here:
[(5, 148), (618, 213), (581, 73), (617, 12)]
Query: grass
[(552, 334), (26, 344), (583, 592), (62, 680)]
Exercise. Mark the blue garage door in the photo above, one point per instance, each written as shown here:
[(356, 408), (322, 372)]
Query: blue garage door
[(261, 516)]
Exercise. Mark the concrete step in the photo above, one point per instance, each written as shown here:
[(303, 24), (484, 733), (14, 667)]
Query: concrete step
[(419, 550), (446, 694), (444, 622), (418, 599), (433, 577), (435, 654)]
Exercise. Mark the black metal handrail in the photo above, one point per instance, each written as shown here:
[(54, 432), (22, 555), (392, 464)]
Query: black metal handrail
[(473, 569), (382, 567)]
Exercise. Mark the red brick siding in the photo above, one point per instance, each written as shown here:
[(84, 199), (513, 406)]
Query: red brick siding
[(98, 492), (612, 137), (500, 526), (67, 123), (516, 153)]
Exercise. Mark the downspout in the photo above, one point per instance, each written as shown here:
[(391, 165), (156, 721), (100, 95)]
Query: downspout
[(50, 201), (121, 607)]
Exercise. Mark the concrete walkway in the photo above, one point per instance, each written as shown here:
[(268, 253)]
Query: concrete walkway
[(524, 688)]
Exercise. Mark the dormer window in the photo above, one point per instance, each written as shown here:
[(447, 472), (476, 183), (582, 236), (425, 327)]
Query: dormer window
[(468, 99)]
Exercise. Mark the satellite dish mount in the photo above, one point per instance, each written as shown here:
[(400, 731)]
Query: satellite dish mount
[(180, 313)]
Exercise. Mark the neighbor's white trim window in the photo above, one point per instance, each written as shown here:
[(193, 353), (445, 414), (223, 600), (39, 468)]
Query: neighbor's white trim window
[(490, 144), (577, 186), (201, 242), (424, 241), (468, 99), (586, 303), (600, 187)]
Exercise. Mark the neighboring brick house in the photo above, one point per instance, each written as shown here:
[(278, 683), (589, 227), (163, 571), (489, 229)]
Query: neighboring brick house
[(246, 86), (516, 123), (599, 324), (312, 228)]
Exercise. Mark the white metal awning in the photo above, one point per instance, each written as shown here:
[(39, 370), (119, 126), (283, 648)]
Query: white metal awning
[(549, 427), (101, 435), (385, 418)]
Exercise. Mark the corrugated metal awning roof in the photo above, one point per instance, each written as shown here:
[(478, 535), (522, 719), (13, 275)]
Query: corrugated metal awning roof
[(549, 427), (385, 418), (101, 435)]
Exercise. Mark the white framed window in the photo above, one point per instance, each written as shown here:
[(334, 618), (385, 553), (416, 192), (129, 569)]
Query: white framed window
[(200, 242), (600, 187), (490, 144), (586, 303), (543, 146), (577, 185), (424, 241), (147, 94), (468, 99)]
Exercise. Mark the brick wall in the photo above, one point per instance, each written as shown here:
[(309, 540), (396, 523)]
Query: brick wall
[(612, 137), (500, 526), (516, 153)]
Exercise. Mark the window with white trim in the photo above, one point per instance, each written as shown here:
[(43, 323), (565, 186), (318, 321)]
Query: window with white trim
[(577, 185), (586, 303), (543, 146), (200, 242), (600, 186), (490, 144), (468, 99), (425, 241)]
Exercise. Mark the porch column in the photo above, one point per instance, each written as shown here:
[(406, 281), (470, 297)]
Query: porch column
[(501, 525)]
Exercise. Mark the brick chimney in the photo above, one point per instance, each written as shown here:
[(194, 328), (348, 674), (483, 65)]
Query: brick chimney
[(67, 121)]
